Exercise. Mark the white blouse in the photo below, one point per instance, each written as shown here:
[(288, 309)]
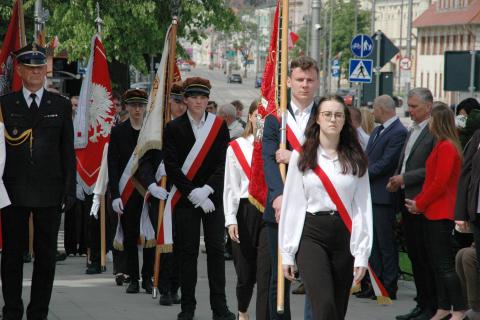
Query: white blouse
[(304, 192), (235, 181)]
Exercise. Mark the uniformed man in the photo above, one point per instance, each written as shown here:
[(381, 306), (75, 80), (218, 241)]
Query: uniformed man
[(40, 179), (122, 144)]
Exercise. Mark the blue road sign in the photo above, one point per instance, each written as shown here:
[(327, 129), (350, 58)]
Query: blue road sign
[(361, 45), (335, 68), (360, 70)]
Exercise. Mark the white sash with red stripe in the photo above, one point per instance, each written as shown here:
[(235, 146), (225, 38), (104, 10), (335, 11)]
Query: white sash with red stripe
[(243, 150), (193, 162), (295, 136)]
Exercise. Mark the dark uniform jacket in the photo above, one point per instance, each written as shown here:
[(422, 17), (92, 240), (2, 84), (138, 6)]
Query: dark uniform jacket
[(270, 144), (178, 140), (43, 175), (123, 141)]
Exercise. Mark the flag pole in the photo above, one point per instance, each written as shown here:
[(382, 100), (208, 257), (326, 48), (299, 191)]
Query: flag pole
[(283, 139), (103, 240), (163, 181)]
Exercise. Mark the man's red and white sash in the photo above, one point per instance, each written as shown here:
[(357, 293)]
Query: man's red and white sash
[(295, 135), (243, 151), (378, 288), (193, 162)]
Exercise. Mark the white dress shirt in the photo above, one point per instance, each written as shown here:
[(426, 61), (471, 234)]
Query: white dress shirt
[(235, 181), (363, 138), (28, 99), (304, 192), (415, 129), (235, 130), (301, 117), (196, 126)]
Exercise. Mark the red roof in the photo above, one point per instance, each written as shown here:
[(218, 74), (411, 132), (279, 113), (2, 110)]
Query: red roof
[(448, 17)]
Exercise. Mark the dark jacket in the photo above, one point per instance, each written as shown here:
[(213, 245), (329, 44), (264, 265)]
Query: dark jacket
[(270, 144), (45, 174), (178, 141), (467, 194), (123, 141), (383, 154)]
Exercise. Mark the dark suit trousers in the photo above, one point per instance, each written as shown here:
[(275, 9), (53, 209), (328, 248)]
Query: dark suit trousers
[(384, 257), (251, 259), (413, 228), (438, 237), (75, 239), (272, 231), (326, 265), (130, 220), (475, 226), (187, 228), (46, 223)]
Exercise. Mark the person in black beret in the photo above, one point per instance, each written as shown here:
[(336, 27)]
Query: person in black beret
[(204, 138), (40, 179)]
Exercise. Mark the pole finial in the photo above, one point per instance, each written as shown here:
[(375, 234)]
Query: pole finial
[(98, 20)]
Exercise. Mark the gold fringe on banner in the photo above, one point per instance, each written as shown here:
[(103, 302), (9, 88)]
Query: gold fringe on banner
[(256, 204)]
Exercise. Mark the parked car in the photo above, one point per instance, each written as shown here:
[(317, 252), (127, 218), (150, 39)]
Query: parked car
[(347, 94), (234, 78), (258, 80)]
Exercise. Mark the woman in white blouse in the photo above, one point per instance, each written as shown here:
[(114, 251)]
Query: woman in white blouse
[(245, 224), (4, 199), (311, 231)]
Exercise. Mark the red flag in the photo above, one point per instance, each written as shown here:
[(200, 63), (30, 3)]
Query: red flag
[(292, 39), (257, 188), (14, 40), (96, 113)]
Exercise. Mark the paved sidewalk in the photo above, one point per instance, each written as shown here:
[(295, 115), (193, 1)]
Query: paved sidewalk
[(78, 296)]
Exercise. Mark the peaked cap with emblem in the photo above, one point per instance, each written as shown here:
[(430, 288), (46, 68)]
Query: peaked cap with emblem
[(196, 86), (135, 96), (33, 55)]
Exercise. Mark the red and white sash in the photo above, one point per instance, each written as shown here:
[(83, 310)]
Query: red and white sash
[(378, 288), (295, 136), (126, 185), (193, 162), (243, 151)]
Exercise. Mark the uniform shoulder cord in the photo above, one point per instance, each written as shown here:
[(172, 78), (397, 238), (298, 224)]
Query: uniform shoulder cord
[(27, 134)]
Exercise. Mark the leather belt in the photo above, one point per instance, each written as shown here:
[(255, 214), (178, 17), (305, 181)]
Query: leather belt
[(323, 213)]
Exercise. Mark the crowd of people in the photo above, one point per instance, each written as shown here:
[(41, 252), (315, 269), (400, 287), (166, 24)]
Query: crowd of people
[(347, 182)]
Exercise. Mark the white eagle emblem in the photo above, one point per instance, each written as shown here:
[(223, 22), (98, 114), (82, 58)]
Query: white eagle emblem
[(101, 121)]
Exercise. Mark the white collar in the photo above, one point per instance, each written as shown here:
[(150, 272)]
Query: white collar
[(322, 153), (234, 124), (27, 93), (387, 123), (422, 124), (202, 120), (296, 110)]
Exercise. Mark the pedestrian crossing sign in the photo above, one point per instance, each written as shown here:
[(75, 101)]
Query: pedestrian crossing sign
[(360, 70)]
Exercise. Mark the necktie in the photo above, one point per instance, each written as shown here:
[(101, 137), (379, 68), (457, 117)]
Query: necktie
[(34, 103), (380, 129)]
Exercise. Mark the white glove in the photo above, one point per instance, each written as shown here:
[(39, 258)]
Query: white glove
[(157, 191), (207, 206), (95, 206), (79, 193), (117, 205), (198, 195), (160, 172)]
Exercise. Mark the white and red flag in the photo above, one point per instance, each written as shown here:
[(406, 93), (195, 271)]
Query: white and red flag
[(95, 117)]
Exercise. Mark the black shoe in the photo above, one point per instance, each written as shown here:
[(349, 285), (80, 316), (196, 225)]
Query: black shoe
[(300, 289), (366, 294), (93, 269), (119, 279), (166, 299), (147, 284), (424, 315), (185, 315), (225, 315), (27, 257), (61, 256), (175, 298), (133, 287), (126, 278), (412, 314)]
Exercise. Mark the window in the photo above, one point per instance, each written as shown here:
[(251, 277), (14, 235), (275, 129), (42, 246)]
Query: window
[(441, 45), (421, 80), (460, 42), (434, 47), (435, 85), (454, 42), (447, 42), (422, 47)]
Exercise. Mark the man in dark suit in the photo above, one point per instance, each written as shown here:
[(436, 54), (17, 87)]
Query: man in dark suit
[(383, 151), (407, 183), (200, 196), (40, 179), (303, 82), (122, 144)]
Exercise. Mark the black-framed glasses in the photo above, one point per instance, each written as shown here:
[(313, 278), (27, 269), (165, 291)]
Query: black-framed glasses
[(327, 115)]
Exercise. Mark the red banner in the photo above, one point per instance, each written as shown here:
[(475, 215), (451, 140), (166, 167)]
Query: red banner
[(257, 188), (99, 115)]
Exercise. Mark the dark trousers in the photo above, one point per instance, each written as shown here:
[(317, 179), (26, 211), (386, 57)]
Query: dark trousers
[(46, 223), (272, 231), (438, 237), (413, 228), (119, 257), (130, 220), (75, 227), (384, 256), (251, 259), (475, 226), (466, 267), (326, 265), (187, 228)]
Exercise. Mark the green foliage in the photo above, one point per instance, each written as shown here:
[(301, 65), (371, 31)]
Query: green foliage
[(131, 29)]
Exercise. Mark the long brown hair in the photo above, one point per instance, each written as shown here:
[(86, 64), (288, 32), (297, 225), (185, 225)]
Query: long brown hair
[(443, 125), (249, 127), (350, 153)]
